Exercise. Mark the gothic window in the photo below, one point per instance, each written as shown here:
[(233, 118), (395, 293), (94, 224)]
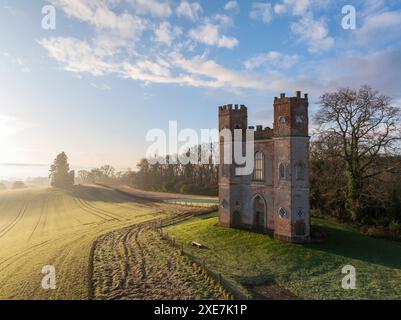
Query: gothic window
[(237, 126), (299, 171), (283, 171), (259, 172)]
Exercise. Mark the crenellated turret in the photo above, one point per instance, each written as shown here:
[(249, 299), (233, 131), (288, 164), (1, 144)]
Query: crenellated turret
[(291, 115)]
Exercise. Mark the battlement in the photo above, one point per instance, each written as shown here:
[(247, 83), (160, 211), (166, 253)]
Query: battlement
[(297, 98), (262, 133), (232, 108)]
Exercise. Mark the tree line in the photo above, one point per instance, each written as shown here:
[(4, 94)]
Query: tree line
[(195, 177)]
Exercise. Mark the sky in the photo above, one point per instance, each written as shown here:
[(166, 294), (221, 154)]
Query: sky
[(112, 70)]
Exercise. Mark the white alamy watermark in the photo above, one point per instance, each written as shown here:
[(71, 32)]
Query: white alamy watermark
[(349, 20), (349, 281), (237, 145), (49, 280), (49, 18)]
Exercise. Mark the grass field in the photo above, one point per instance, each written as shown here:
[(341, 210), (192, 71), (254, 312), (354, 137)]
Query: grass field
[(309, 271), (41, 227)]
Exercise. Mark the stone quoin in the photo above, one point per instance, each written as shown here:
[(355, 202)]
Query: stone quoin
[(275, 197)]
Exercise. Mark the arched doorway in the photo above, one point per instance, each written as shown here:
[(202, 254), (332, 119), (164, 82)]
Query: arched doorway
[(237, 219), (259, 211)]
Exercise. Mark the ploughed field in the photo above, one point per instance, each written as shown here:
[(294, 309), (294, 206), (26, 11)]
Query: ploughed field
[(40, 227), (143, 267)]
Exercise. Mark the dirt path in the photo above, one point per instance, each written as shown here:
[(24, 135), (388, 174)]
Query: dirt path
[(135, 263)]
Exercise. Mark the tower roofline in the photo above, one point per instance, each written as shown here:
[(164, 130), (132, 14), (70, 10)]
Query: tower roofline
[(298, 97), (231, 107)]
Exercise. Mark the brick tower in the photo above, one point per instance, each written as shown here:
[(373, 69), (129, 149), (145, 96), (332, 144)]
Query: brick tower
[(275, 198), (291, 154), (230, 185)]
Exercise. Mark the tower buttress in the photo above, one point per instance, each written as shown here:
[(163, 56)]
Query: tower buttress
[(291, 153), (230, 117)]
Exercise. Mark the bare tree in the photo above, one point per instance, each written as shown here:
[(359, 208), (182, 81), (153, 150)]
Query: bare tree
[(108, 171), (365, 126)]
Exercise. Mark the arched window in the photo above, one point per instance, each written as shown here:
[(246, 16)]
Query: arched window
[(299, 171), (259, 171), (282, 171)]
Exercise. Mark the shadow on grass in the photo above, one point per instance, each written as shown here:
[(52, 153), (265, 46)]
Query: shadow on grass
[(352, 244), (91, 193)]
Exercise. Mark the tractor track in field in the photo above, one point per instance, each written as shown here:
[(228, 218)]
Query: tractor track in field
[(102, 216), (43, 212), (127, 264), (22, 254), (7, 228), (107, 213)]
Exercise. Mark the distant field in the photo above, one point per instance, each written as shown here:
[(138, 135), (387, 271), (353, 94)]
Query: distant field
[(308, 271), (41, 227)]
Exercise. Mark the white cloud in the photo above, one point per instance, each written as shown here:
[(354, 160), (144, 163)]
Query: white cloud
[(279, 8), (272, 58), (188, 10), (209, 34), (166, 34), (102, 18), (77, 55), (301, 7), (372, 6), (223, 20), (172, 68), (261, 11), (230, 5), (378, 26), (209, 73), (314, 32), (295, 7), (152, 7)]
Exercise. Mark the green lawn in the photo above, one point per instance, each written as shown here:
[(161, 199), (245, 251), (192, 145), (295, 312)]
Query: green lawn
[(310, 271)]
